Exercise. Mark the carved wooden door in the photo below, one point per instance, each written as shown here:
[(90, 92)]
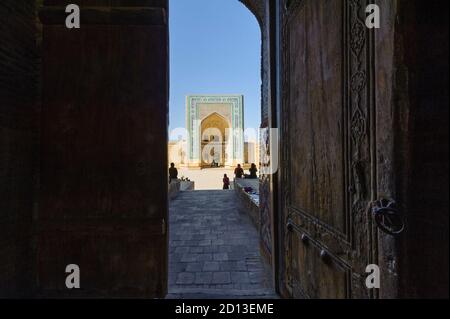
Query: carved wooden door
[(327, 149), (103, 183)]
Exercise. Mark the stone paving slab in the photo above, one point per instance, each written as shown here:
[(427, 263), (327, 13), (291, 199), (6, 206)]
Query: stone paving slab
[(214, 249)]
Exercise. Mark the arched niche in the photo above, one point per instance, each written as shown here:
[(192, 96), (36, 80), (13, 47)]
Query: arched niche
[(214, 138)]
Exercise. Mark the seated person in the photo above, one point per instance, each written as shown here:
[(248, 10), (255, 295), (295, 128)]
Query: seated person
[(253, 171), (239, 172)]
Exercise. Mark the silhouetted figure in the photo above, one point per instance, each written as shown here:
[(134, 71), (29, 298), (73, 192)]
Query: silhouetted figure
[(226, 182), (239, 172), (253, 170), (173, 172)]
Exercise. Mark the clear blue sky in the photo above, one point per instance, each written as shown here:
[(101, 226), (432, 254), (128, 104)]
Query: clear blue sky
[(215, 48)]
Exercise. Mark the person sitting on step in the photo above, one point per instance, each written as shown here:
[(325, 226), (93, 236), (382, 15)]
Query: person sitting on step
[(253, 170), (239, 172)]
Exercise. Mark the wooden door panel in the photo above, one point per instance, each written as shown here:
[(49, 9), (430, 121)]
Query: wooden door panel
[(327, 149), (311, 276), (103, 194), (316, 100)]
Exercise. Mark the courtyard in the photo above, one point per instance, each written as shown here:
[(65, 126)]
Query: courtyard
[(214, 249), (206, 179)]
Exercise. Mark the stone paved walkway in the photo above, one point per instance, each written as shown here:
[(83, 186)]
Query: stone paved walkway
[(214, 249)]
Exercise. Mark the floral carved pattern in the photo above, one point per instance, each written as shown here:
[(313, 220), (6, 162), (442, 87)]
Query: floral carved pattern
[(358, 81), (358, 37), (359, 149), (358, 127)]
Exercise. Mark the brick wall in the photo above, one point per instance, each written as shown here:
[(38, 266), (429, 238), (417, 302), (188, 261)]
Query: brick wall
[(18, 144)]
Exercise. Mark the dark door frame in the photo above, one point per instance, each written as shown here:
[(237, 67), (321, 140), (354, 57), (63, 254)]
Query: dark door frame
[(274, 122)]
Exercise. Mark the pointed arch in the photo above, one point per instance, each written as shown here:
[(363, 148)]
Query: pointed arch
[(213, 134)]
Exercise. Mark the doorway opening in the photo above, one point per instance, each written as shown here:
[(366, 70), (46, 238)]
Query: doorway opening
[(216, 103)]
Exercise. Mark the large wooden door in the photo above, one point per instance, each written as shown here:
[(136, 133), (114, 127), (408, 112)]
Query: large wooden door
[(103, 188), (328, 150)]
